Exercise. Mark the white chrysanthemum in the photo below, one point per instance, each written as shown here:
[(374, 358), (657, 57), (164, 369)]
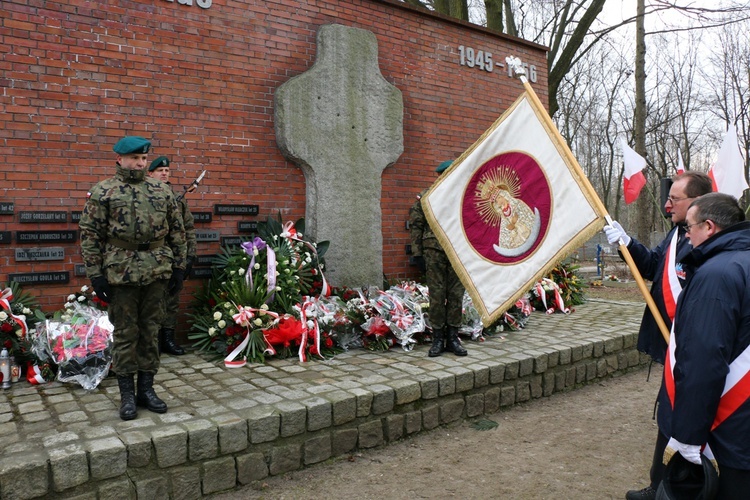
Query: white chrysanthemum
[(19, 333), (310, 324), (231, 273), (308, 260), (300, 235), (26, 310), (211, 332), (278, 288), (255, 251), (264, 307), (221, 323), (227, 305), (287, 271), (256, 266), (82, 299), (275, 238), (217, 315), (71, 297), (3, 316), (258, 322), (85, 288), (241, 271), (285, 262)]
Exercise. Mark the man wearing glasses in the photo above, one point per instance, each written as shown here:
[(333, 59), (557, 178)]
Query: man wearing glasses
[(662, 266), (709, 385)]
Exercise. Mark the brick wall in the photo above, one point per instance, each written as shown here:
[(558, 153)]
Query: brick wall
[(77, 75)]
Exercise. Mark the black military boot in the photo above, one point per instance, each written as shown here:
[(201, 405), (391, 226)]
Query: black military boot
[(128, 411), (146, 395), (167, 343), (453, 344), (438, 343)]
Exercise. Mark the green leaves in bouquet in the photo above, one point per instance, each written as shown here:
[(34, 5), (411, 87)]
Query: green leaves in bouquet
[(23, 303)]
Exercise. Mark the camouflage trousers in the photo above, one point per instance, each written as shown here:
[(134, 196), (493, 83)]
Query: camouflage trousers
[(171, 308), (446, 290), (136, 313)]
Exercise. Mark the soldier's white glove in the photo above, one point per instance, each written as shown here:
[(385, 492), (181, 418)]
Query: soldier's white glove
[(690, 452), (615, 232)]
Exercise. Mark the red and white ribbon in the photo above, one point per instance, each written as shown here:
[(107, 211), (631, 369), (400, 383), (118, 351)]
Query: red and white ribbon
[(244, 317), (5, 299), (542, 293), (34, 374), (290, 233)]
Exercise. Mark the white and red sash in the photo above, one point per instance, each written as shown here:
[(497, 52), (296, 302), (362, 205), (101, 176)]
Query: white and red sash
[(671, 289)]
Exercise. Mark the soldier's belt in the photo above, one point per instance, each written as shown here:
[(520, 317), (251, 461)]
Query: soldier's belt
[(129, 245)]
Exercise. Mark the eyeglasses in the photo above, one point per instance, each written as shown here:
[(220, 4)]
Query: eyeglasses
[(687, 228), (673, 200)]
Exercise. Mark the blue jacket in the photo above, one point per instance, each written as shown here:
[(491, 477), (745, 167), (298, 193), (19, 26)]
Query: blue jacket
[(650, 264), (712, 328)]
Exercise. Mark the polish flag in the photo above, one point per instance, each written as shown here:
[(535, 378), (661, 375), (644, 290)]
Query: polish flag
[(633, 179), (728, 173), (680, 163)]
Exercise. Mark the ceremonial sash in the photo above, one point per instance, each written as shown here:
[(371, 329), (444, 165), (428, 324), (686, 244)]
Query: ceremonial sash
[(670, 283)]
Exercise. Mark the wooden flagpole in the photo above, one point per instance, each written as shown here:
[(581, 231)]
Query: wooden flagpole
[(515, 63)]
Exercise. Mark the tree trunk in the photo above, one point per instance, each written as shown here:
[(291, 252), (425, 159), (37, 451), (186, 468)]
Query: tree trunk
[(643, 204)]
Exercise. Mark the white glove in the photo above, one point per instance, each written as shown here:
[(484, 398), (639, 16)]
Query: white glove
[(615, 233), (690, 452)]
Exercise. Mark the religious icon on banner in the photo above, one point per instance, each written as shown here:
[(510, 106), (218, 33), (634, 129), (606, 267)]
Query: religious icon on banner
[(506, 207)]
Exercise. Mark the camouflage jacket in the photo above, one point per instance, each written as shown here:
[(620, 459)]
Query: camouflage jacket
[(134, 208), (189, 223), (420, 231)]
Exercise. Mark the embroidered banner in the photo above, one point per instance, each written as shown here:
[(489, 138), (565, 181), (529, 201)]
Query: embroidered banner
[(511, 207)]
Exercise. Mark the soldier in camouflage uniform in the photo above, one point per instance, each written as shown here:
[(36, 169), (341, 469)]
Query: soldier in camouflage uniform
[(159, 169), (133, 247), (446, 290)]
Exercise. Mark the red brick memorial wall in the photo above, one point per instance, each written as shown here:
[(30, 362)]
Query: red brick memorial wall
[(197, 77)]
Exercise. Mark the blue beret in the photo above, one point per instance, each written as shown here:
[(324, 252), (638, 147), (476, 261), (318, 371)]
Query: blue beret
[(441, 168), (131, 144), (161, 161)]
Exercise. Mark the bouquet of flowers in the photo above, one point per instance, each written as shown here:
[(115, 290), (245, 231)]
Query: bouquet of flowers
[(79, 343), (19, 315)]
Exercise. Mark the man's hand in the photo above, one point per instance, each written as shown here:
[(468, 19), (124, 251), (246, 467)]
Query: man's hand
[(690, 452), (188, 267), (420, 263), (101, 288), (615, 233), (175, 282)]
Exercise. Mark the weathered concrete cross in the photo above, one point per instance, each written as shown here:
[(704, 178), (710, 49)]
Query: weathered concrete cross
[(342, 123)]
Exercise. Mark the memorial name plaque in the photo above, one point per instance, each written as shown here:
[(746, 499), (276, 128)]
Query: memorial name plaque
[(40, 278), (245, 226), (6, 208), (27, 217), (50, 253), (75, 216), (236, 209), (205, 260), (202, 216), (5, 237), (45, 236), (206, 236), (230, 241), (79, 270), (201, 272)]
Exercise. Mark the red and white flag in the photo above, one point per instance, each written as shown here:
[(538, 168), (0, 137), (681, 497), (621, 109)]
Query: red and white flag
[(511, 207), (728, 173), (633, 179), (680, 163)]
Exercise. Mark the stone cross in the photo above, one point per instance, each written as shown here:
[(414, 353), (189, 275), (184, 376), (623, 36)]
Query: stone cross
[(342, 123)]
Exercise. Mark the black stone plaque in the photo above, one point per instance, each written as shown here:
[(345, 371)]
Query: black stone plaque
[(48, 253), (206, 236), (204, 260), (6, 208), (75, 216), (80, 270), (40, 278), (29, 217), (247, 226), (46, 236), (201, 272), (408, 249), (236, 209), (5, 237), (230, 241), (203, 216)]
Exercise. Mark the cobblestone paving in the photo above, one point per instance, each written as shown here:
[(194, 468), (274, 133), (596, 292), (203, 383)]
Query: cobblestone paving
[(60, 438)]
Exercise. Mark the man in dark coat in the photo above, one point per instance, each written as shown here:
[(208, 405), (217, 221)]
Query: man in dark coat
[(709, 385), (662, 266)]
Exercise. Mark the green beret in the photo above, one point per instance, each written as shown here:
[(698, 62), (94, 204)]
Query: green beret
[(441, 168), (131, 144), (161, 161)]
